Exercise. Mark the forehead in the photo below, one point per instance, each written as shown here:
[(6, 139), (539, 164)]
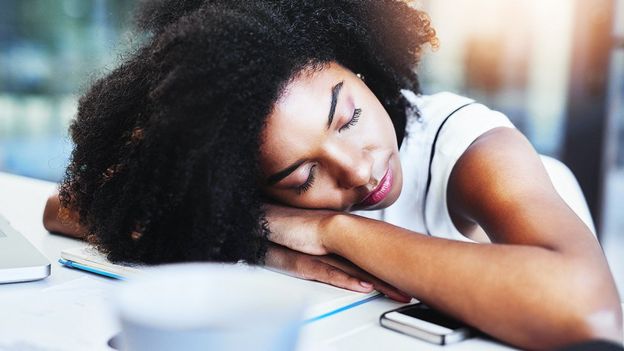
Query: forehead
[(299, 117), (309, 89)]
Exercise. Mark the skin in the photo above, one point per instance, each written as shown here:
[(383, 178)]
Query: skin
[(347, 161), (541, 283), (53, 224), (329, 269)]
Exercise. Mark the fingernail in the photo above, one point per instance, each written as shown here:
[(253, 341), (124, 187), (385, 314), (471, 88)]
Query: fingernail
[(366, 284), (403, 299), (406, 295)]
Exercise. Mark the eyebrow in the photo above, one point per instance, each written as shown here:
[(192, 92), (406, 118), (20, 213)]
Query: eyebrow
[(278, 176), (275, 178), (334, 100)]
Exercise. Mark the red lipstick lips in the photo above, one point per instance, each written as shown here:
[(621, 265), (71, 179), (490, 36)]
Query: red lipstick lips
[(380, 193)]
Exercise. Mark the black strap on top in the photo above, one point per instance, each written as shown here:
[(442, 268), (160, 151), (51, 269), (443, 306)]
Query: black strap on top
[(433, 146)]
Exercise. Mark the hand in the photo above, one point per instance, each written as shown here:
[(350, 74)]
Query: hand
[(329, 269), (298, 229)]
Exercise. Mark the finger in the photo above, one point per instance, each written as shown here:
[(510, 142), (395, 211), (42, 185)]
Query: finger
[(277, 257), (326, 273), (386, 289), (364, 276), (393, 293)]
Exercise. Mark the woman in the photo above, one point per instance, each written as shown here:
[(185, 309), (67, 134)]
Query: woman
[(239, 122)]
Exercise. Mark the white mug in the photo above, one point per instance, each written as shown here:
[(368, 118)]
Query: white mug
[(208, 306)]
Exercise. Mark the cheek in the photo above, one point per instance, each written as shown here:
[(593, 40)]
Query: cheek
[(322, 195), (378, 126), (290, 198), (379, 131)]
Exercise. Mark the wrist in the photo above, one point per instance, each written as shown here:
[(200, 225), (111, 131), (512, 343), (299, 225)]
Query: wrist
[(333, 231)]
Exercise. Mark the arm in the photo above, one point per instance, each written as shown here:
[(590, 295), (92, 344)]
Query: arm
[(53, 223), (329, 269), (544, 282)]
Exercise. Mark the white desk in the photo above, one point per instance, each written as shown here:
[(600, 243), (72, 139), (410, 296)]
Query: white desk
[(62, 326)]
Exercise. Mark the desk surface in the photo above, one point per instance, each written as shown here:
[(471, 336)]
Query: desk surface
[(67, 323)]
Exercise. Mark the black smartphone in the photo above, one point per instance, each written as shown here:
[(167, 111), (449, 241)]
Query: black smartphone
[(421, 321)]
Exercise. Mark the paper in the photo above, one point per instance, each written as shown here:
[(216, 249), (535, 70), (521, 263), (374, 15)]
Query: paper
[(79, 315), (324, 299), (76, 315)]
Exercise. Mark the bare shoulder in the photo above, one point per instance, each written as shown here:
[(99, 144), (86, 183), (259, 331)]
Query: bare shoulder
[(499, 163), (500, 184)]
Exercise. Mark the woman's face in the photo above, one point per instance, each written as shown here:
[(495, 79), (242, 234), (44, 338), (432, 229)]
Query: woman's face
[(330, 144)]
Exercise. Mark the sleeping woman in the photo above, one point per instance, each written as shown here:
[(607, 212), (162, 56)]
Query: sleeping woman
[(294, 134)]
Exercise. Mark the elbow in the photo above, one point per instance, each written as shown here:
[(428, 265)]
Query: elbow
[(50, 214), (53, 224), (594, 311), (578, 326), (604, 323), (584, 305), (48, 225)]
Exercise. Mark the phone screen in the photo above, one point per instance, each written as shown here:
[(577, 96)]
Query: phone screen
[(423, 312)]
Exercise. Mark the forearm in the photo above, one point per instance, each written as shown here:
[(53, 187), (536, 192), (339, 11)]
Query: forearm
[(53, 223), (529, 296)]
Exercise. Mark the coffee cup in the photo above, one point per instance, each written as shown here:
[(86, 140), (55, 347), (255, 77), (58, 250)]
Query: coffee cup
[(208, 306)]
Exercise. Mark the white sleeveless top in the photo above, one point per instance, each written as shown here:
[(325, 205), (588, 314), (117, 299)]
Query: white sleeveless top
[(457, 121)]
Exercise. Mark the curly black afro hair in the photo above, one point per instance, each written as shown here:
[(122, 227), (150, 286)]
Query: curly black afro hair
[(165, 163)]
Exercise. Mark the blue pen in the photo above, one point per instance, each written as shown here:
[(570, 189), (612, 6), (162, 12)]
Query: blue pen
[(72, 264)]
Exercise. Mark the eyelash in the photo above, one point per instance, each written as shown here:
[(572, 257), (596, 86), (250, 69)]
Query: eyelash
[(356, 116), (308, 183)]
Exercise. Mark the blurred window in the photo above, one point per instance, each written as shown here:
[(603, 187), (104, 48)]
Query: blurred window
[(513, 56), (49, 53), (516, 57), (614, 185)]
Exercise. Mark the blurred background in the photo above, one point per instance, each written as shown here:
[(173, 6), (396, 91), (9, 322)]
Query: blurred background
[(555, 67)]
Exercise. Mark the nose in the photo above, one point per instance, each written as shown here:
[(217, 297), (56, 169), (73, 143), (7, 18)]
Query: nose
[(352, 166)]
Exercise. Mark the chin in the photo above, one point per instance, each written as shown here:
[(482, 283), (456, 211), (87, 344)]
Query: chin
[(389, 201), (393, 200), (394, 194)]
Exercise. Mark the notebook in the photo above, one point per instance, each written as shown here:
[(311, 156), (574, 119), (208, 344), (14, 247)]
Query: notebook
[(325, 300)]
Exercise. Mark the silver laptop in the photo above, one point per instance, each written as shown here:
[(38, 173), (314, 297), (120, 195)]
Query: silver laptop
[(20, 261)]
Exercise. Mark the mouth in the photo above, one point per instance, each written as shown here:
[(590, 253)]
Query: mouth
[(380, 192)]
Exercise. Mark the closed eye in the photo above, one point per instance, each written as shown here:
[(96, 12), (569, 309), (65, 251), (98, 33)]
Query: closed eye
[(354, 119), (308, 183)]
